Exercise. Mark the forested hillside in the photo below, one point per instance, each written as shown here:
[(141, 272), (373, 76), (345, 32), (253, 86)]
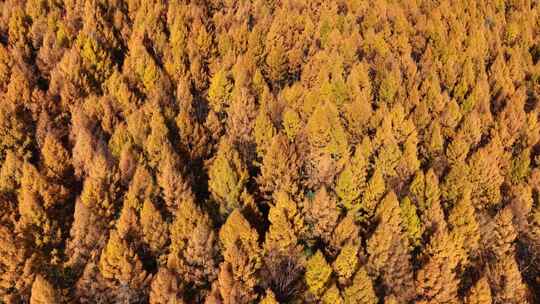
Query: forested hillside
[(266, 151)]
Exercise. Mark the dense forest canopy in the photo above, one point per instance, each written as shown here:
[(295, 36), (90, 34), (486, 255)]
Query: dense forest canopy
[(264, 151)]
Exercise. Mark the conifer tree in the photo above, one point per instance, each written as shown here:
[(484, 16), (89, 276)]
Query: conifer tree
[(325, 131), (10, 173), (165, 288), (18, 263), (55, 156), (193, 252), (501, 239), (455, 183), (464, 228), (280, 167), (332, 295), (485, 177), (175, 186), (219, 93), (264, 131), (323, 214), (389, 244), (157, 141), (269, 298), (436, 280), (507, 282), (352, 180), (154, 229), (286, 224), (227, 177), (43, 292), (242, 259), (120, 262), (346, 262), (346, 231), (411, 222), (361, 289), (374, 191), (480, 293), (318, 274)]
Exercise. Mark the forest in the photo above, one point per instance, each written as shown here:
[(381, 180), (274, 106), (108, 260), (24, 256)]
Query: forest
[(270, 151)]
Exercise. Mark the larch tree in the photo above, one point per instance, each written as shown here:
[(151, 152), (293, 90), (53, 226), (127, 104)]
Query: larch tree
[(506, 281), (389, 244), (318, 274), (332, 295), (227, 177), (374, 191), (501, 238), (193, 248), (486, 177), (480, 293), (411, 222), (175, 186), (322, 214), (269, 298), (119, 262), (242, 259), (436, 280), (154, 228), (346, 231), (286, 224), (351, 182), (55, 157), (220, 90), (464, 227), (361, 289), (165, 288), (43, 292), (280, 167), (346, 262), (17, 262)]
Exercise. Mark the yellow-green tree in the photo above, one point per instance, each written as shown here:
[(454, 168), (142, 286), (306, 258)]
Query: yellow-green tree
[(119, 262), (219, 93), (351, 182), (227, 177), (318, 274), (411, 222), (346, 262), (373, 192)]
